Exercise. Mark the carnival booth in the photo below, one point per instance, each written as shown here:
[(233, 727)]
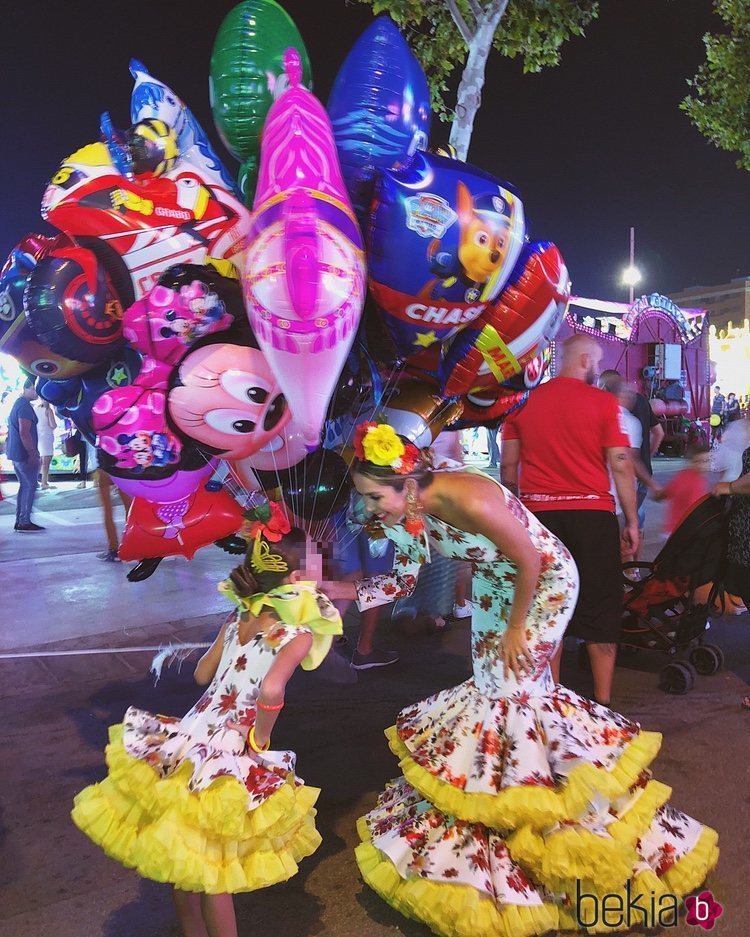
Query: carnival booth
[(658, 347), (730, 353)]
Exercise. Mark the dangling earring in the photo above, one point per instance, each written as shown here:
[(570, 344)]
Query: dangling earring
[(414, 523)]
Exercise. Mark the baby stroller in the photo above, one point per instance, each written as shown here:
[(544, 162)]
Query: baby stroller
[(661, 611)]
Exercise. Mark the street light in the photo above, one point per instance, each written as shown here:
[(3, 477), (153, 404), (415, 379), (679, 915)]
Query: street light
[(631, 275)]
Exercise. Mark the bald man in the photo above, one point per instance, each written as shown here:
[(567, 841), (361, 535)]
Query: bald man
[(556, 455)]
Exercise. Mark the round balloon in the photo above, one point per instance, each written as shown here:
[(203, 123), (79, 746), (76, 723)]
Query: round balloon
[(247, 63), (443, 242), (379, 108), (317, 487)]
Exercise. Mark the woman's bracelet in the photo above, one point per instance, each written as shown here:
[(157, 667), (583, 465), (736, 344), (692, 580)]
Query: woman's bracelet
[(254, 745), (269, 709)]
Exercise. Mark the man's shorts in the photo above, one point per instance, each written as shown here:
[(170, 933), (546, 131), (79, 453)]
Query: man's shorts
[(593, 538)]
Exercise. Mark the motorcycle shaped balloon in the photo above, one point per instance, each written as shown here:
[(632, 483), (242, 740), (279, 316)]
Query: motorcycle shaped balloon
[(305, 280), (247, 65), (443, 242), (514, 330), (379, 108)]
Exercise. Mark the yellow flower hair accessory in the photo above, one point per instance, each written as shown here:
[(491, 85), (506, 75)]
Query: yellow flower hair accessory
[(263, 561), (379, 444)]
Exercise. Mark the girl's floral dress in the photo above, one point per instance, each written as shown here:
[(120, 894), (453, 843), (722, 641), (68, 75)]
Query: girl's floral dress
[(518, 797), (186, 801)]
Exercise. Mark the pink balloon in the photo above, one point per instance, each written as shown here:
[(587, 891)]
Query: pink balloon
[(305, 282), (165, 490)]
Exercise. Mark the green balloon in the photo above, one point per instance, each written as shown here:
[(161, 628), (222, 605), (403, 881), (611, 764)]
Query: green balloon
[(247, 180), (249, 47)]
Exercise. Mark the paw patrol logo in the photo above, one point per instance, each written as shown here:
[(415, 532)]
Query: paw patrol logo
[(429, 215)]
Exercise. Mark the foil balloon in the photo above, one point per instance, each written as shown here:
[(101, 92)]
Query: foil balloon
[(140, 206), (305, 280), (247, 69), (513, 331), (418, 411), (16, 336), (75, 398), (225, 398), (443, 242), (188, 303), (179, 527), (167, 490), (379, 108), (152, 100), (318, 487), (489, 407), (73, 307)]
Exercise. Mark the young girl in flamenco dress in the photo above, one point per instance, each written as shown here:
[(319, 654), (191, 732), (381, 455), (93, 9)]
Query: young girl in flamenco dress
[(202, 802), (521, 804)]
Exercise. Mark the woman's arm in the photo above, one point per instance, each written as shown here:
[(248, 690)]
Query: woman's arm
[(207, 665), (274, 683), (740, 486)]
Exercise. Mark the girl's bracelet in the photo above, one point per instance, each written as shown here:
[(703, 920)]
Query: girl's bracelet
[(269, 709), (254, 745)]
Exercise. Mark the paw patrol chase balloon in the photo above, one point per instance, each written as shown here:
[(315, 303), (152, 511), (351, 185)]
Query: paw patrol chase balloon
[(443, 242)]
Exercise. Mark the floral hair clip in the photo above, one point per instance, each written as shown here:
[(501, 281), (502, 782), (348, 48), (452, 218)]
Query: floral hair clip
[(379, 444), (268, 520)]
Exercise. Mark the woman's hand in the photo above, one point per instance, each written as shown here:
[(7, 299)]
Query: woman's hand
[(515, 653), (338, 590), (243, 581)]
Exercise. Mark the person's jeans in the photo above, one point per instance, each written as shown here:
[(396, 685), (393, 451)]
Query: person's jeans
[(27, 474)]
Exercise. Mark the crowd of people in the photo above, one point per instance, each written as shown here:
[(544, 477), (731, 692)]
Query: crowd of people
[(514, 787)]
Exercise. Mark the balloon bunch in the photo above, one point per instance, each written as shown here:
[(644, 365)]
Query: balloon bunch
[(180, 330)]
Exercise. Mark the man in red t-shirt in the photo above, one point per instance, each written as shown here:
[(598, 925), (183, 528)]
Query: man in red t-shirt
[(556, 454)]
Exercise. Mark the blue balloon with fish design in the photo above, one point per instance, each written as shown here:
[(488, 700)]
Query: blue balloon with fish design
[(379, 108), (443, 241)]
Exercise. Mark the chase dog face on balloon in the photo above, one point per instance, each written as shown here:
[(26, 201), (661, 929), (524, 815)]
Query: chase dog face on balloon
[(443, 241)]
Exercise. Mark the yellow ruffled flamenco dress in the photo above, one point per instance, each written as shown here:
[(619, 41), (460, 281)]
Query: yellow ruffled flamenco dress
[(521, 804), (186, 801)]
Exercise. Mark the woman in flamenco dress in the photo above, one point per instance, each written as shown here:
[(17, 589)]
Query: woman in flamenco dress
[(202, 802), (521, 804)]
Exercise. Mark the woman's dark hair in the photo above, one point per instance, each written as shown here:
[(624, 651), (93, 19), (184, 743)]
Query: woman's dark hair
[(290, 548)]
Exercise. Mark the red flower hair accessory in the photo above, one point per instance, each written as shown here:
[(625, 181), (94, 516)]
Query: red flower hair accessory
[(268, 520)]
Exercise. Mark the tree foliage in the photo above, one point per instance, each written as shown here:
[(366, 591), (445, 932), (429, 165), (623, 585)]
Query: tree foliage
[(532, 30), (719, 101)]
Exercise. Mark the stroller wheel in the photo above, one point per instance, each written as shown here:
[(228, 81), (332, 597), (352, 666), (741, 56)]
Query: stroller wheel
[(677, 678), (707, 659)]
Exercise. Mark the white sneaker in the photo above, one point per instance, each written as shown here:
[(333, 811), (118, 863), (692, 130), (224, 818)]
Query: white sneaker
[(464, 610)]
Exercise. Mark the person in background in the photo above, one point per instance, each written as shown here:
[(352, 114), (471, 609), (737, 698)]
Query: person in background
[(732, 411), (23, 451), (611, 382), (686, 487), (46, 440), (104, 486), (82, 451), (494, 449), (652, 435), (718, 405), (447, 448), (556, 454)]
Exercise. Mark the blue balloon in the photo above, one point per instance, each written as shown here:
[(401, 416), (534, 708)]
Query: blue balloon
[(443, 240), (75, 398), (379, 108)]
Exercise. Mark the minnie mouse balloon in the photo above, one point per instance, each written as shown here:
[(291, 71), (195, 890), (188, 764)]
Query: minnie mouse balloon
[(305, 281), (443, 242), (379, 108)]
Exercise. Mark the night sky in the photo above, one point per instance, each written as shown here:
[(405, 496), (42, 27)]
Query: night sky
[(595, 145)]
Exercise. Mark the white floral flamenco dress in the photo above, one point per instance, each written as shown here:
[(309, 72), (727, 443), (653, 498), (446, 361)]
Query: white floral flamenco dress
[(186, 801), (517, 792)]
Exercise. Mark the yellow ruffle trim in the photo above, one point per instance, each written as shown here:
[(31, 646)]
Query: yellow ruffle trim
[(449, 909), (600, 863), (531, 805), (204, 841), (690, 871)]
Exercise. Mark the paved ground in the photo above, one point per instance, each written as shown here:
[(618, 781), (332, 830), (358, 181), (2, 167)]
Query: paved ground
[(55, 712)]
